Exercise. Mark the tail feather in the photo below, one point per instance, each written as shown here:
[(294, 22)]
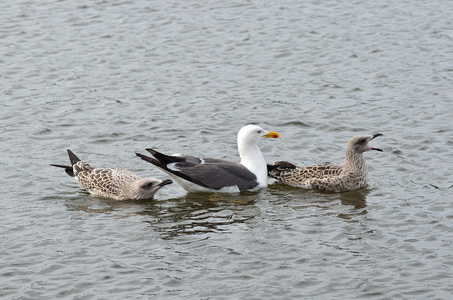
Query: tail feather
[(149, 159), (271, 168), (275, 169), (164, 159), (284, 164), (73, 158), (68, 169)]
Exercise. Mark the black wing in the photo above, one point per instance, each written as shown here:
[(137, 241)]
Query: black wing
[(217, 175), (209, 173)]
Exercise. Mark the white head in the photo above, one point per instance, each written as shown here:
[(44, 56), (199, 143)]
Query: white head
[(248, 139), (146, 188), (253, 134)]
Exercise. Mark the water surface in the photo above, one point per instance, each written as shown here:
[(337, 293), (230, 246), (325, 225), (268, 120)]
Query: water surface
[(110, 78)]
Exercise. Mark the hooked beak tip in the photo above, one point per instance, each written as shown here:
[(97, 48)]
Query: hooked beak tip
[(376, 135), (165, 182)]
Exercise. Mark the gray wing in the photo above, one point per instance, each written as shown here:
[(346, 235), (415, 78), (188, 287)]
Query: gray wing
[(206, 172), (216, 174)]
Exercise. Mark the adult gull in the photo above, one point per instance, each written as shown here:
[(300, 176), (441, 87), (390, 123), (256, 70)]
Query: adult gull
[(196, 174)]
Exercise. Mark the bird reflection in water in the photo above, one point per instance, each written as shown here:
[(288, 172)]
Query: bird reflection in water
[(198, 213), (201, 213), (323, 201)]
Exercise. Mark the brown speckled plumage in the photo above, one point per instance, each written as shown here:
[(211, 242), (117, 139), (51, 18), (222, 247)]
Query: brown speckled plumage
[(114, 183), (350, 175)]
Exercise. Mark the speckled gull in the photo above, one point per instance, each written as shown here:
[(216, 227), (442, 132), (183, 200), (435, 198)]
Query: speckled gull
[(350, 175), (215, 175), (114, 183)]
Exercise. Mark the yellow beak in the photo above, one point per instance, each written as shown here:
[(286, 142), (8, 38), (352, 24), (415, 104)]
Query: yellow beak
[(271, 134)]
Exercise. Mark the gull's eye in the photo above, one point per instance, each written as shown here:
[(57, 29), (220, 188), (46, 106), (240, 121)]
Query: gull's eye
[(148, 185), (259, 131), (362, 141)]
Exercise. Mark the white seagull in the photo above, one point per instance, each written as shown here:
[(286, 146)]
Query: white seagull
[(215, 175)]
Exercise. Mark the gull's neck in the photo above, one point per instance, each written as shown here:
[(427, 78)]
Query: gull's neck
[(252, 159), (355, 161)]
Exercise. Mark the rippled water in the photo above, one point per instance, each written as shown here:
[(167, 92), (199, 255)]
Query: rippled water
[(110, 78)]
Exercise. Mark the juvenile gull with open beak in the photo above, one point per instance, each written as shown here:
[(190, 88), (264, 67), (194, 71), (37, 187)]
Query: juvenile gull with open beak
[(350, 175)]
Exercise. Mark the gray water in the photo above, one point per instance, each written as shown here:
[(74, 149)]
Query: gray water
[(107, 79)]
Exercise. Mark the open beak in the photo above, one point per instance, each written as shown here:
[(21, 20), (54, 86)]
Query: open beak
[(271, 134), (375, 136)]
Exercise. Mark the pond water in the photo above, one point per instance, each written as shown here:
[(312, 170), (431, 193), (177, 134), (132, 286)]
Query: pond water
[(107, 79)]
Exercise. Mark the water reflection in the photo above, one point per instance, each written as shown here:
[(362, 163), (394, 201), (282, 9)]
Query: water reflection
[(191, 214), (201, 213), (353, 203), (355, 198), (204, 213)]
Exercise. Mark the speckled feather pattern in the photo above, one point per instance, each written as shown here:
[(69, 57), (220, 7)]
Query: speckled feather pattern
[(105, 182), (350, 175), (335, 178), (114, 183)]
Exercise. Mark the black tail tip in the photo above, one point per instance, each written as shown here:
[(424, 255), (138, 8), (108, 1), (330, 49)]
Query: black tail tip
[(152, 151), (72, 157), (68, 169)]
